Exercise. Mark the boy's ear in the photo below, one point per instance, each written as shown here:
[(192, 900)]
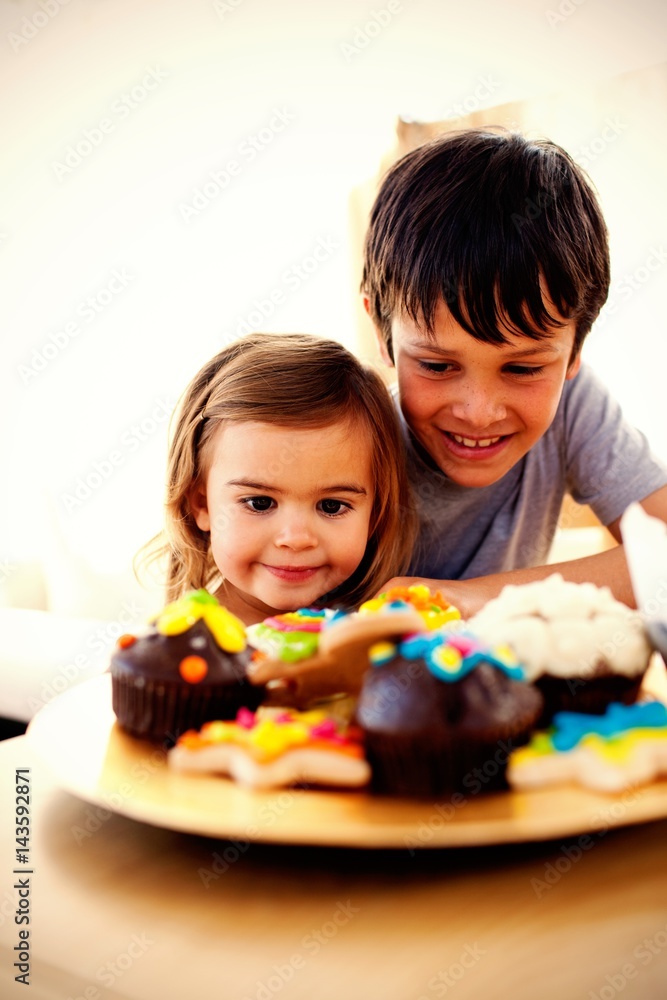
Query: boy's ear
[(382, 344), (574, 366), (199, 507)]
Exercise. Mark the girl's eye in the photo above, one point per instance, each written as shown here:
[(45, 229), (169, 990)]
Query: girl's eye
[(435, 367), (525, 371), (258, 504), (333, 507)]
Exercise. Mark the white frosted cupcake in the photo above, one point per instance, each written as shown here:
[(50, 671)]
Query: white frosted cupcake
[(580, 646)]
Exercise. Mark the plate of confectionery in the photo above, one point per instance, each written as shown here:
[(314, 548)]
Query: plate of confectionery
[(78, 738)]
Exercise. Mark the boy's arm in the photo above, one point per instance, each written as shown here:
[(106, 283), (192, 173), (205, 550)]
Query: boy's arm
[(604, 569)]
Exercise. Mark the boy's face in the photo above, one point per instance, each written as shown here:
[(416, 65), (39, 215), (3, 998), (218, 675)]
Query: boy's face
[(478, 408)]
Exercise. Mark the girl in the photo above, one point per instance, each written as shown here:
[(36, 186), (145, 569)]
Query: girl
[(286, 482)]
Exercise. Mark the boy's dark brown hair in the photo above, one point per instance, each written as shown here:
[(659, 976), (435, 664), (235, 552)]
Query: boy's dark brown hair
[(490, 221)]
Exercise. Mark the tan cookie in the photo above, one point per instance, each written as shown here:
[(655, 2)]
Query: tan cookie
[(340, 662)]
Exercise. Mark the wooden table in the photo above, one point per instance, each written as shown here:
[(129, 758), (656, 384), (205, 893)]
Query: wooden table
[(122, 909)]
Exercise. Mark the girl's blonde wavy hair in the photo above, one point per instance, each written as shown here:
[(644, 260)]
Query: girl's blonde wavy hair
[(294, 380)]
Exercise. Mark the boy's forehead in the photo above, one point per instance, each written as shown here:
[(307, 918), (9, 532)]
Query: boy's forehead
[(445, 331)]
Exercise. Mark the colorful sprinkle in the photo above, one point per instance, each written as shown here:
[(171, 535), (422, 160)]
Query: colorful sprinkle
[(126, 640), (433, 608), (381, 652), (193, 669)]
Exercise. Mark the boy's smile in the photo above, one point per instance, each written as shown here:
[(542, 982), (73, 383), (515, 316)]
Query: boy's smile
[(477, 408)]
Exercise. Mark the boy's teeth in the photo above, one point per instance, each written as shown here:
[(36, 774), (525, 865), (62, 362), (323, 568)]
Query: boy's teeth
[(472, 443)]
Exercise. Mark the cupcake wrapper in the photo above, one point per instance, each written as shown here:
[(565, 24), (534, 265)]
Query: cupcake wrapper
[(592, 695), (420, 768), (158, 710)]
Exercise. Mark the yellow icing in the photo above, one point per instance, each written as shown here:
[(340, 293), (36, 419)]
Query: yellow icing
[(227, 630), (433, 608), (267, 739), (615, 749)]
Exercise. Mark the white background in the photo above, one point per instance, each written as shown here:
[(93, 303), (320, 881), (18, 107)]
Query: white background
[(220, 72)]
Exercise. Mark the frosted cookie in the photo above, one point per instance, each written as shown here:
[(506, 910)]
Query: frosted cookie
[(582, 648), (624, 747), (275, 747), (435, 611), (291, 636), (339, 658)]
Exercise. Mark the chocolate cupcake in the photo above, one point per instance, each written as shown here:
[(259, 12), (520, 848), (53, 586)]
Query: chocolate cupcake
[(441, 714), (582, 648), (187, 669)]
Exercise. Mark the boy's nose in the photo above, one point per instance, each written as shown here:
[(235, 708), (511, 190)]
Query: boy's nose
[(479, 406)]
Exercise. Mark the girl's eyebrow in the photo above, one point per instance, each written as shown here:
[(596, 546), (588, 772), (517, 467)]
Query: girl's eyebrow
[(249, 484)]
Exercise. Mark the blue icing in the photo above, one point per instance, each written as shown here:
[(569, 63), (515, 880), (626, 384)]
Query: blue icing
[(569, 728), (431, 646)]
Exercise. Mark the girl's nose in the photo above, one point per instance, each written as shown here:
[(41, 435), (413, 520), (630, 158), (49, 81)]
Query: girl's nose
[(296, 533)]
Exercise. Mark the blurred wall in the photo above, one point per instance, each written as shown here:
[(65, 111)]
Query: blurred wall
[(174, 173)]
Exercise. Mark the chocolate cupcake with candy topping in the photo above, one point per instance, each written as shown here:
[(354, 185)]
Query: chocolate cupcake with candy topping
[(188, 668), (441, 714)]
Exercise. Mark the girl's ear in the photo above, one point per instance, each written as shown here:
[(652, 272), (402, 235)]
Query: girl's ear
[(573, 367), (199, 506)]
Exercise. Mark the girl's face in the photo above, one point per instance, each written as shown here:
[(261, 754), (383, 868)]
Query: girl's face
[(288, 510)]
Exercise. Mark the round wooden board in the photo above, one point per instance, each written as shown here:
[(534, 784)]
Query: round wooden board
[(78, 738)]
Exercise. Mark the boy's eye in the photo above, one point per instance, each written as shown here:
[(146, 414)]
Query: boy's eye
[(524, 370), (333, 507), (258, 504), (435, 367)]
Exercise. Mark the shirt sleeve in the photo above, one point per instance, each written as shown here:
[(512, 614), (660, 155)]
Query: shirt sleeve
[(609, 463)]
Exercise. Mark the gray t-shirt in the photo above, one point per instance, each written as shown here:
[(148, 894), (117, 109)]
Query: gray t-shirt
[(589, 451)]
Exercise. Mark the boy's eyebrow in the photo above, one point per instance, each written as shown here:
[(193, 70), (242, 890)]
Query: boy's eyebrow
[(523, 352), (337, 488)]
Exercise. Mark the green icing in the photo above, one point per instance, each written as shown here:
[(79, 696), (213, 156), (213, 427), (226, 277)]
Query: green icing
[(288, 646)]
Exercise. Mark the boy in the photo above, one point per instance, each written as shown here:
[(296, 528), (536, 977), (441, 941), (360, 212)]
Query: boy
[(485, 264)]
